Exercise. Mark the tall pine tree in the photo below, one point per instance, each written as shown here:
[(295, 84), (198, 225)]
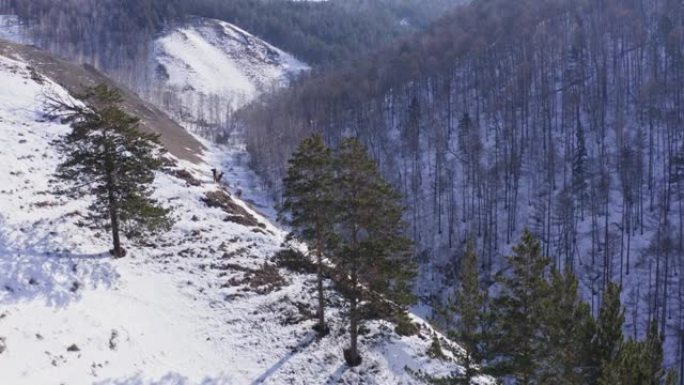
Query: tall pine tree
[(469, 306), (372, 249), (653, 356), (579, 167), (519, 313), (307, 204), (638, 363), (568, 330), (106, 155), (470, 302), (609, 336)]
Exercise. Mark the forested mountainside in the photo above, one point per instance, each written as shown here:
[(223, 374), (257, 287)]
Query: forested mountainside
[(212, 299), (183, 57), (116, 36), (198, 70), (113, 36), (561, 116), (326, 32)]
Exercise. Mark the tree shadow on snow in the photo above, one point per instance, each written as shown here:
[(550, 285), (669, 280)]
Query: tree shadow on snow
[(336, 376), (28, 271), (303, 344), (169, 379)]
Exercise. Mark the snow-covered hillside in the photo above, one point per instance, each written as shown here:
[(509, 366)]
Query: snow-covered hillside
[(199, 71), (207, 67), (203, 303)]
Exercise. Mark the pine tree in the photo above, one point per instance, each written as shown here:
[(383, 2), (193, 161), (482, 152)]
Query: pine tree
[(519, 310), (470, 302), (307, 202), (469, 305), (638, 363), (579, 165), (655, 373), (568, 328), (106, 155), (465, 124), (411, 132), (609, 337), (372, 250), (626, 368)]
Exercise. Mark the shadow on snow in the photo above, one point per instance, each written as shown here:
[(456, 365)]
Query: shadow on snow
[(306, 342), (32, 270)]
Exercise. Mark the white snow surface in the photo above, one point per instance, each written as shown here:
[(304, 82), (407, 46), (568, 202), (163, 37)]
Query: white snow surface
[(207, 58), (181, 310)]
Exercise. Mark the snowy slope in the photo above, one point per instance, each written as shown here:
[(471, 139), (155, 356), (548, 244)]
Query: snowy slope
[(199, 71), (196, 306), (206, 66)]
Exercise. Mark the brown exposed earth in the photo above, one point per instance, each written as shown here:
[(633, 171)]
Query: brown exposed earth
[(75, 78)]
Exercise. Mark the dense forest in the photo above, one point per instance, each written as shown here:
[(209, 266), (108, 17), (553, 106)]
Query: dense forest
[(116, 35), (121, 38), (566, 120), (563, 117), (326, 32), (110, 35), (535, 329)]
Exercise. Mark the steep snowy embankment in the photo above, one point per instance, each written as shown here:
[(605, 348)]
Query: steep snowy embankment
[(199, 71), (202, 303), (207, 66)]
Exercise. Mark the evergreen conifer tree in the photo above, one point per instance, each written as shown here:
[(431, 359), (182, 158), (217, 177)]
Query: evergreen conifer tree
[(470, 303), (519, 312), (307, 204), (568, 329), (609, 336), (653, 355), (106, 155), (579, 165), (465, 124), (638, 363), (372, 249), (626, 368)]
